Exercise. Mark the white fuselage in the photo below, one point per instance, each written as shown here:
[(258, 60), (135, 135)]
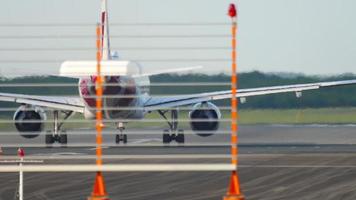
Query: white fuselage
[(123, 96)]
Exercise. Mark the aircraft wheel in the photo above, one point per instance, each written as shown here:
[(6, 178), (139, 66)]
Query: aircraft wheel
[(49, 139), (121, 138), (124, 139), (117, 139), (180, 137), (63, 139), (166, 137)]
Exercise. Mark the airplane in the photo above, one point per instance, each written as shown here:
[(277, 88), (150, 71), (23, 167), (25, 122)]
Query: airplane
[(127, 98)]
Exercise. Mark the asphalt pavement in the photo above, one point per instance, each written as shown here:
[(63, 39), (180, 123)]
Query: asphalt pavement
[(276, 162)]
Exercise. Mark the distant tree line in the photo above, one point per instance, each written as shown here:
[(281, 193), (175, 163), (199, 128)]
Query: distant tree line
[(343, 96)]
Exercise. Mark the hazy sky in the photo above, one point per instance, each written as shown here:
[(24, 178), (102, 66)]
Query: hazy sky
[(307, 36)]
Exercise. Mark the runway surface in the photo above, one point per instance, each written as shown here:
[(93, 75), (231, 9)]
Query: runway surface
[(276, 162)]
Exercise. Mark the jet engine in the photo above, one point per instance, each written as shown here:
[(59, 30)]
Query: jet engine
[(204, 118), (29, 120)]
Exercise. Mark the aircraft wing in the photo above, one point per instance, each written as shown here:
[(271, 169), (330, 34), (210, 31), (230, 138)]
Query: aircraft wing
[(55, 102), (156, 103)]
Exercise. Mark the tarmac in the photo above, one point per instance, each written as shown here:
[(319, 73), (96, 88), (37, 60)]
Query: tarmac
[(276, 162)]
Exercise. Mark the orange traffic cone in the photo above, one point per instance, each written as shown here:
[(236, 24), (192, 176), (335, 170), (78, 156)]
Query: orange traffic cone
[(99, 191), (234, 192)]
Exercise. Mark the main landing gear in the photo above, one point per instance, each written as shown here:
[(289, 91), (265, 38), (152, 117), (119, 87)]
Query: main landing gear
[(121, 137), (173, 133), (57, 135)]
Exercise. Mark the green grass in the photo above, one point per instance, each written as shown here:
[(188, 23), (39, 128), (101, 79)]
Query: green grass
[(274, 116), (299, 116), (246, 116)]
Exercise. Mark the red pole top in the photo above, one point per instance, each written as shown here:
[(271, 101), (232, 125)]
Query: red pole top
[(232, 10), (21, 153)]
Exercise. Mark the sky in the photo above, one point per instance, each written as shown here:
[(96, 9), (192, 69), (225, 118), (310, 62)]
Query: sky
[(303, 36)]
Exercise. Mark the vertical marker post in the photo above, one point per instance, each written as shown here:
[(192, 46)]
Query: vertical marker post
[(21, 154), (99, 191), (234, 191)]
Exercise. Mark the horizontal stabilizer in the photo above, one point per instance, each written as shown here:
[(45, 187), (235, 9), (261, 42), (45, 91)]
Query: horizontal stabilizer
[(77, 69), (170, 71)]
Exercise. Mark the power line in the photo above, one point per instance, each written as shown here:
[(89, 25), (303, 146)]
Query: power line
[(112, 36), (112, 24), (134, 59), (120, 48)]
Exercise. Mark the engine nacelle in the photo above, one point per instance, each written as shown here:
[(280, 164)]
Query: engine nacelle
[(31, 114), (205, 118)]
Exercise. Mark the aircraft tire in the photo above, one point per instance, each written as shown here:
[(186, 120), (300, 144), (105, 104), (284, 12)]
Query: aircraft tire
[(63, 139), (124, 139), (180, 138), (49, 139), (117, 139), (166, 137)]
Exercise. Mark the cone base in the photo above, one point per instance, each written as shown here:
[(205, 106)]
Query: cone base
[(98, 198), (99, 191), (234, 197)]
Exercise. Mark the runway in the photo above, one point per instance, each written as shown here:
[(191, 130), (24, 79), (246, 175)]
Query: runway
[(276, 162)]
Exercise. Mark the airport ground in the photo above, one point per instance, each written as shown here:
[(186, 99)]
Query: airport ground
[(276, 162), (332, 115)]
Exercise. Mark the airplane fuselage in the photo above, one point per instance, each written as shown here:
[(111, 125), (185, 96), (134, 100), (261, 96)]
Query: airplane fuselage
[(123, 96)]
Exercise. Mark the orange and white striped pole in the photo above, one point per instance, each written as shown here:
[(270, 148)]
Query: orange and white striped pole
[(99, 191), (234, 191), (99, 101)]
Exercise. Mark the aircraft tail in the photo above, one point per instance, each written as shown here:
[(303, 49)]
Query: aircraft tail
[(105, 38)]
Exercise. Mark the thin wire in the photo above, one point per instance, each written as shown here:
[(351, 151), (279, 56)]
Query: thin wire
[(160, 84), (7, 37), (4, 121), (114, 132), (197, 167), (135, 59), (111, 24), (186, 96), (123, 96), (121, 48), (122, 108), (131, 145), (118, 157)]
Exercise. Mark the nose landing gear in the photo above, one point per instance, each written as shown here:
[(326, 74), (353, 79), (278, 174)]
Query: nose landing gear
[(121, 137)]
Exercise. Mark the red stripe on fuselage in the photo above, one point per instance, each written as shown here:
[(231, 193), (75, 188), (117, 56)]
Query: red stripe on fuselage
[(87, 91)]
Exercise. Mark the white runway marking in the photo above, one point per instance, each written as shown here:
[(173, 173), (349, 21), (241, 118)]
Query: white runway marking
[(94, 149), (56, 154), (131, 144), (118, 157), (145, 141), (120, 168)]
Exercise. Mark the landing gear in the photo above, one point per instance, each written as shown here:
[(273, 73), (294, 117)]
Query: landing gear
[(121, 137), (49, 138), (173, 133), (168, 137), (57, 135), (61, 138)]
